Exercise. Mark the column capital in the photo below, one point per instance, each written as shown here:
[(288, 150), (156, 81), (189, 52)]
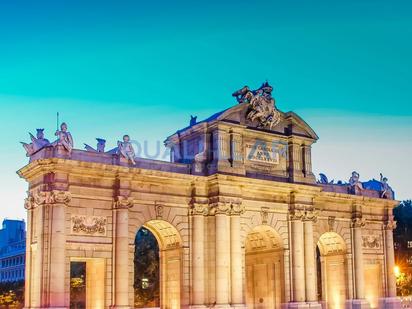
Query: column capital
[(61, 197), (311, 215), (225, 205), (389, 225), (29, 202), (122, 202), (199, 209), (48, 197), (303, 214), (358, 222)]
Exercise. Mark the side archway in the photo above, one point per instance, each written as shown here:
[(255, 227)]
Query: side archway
[(331, 267), (169, 244), (264, 268)]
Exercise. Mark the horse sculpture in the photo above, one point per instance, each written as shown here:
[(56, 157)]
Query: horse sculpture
[(261, 105)]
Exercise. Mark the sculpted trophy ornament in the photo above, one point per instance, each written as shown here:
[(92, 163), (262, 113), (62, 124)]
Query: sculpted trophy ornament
[(101, 144), (261, 105), (37, 142), (64, 138), (356, 186), (125, 149)]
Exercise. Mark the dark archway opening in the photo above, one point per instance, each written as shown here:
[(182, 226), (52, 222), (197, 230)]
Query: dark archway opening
[(319, 274), (146, 270)]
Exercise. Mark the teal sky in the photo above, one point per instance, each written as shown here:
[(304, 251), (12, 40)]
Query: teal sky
[(142, 68)]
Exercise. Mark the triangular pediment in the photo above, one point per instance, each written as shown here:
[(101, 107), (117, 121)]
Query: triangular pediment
[(290, 123)]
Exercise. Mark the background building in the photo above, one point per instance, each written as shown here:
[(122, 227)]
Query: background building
[(12, 250)]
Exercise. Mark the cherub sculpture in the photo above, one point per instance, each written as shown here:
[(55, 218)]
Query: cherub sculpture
[(386, 189), (64, 138), (356, 186), (101, 144), (37, 142), (126, 150)]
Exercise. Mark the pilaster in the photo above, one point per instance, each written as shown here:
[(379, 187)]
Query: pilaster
[(121, 207)]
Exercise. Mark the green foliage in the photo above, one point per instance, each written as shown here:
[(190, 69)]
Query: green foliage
[(146, 270)]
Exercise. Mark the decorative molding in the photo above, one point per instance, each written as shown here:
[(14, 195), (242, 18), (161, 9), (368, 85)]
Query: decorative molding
[(85, 225), (371, 242), (123, 202)]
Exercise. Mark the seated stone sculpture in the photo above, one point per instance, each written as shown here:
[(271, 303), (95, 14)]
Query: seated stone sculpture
[(386, 190), (355, 186), (37, 142), (64, 138), (125, 149)]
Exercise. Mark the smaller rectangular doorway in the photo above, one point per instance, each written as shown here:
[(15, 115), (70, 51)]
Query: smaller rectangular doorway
[(87, 277)]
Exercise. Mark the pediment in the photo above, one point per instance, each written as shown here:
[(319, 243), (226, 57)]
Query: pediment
[(290, 123)]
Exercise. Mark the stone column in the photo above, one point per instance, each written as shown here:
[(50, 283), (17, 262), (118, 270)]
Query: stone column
[(357, 224), (390, 259), (298, 257), (236, 256), (57, 295), (222, 253), (28, 205), (198, 254), (310, 264), (121, 263)]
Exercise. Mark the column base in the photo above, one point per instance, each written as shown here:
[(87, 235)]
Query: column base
[(314, 305), (198, 306), (239, 306), (389, 303), (222, 306), (357, 304), (295, 305)]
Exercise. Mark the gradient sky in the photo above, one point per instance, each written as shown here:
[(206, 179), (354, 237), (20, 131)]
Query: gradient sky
[(142, 68)]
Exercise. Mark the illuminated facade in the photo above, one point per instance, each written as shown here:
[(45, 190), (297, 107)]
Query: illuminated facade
[(238, 215)]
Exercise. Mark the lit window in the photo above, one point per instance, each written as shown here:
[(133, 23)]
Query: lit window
[(409, 243)]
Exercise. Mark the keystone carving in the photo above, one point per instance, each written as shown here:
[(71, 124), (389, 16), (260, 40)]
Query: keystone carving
[(264, 213)]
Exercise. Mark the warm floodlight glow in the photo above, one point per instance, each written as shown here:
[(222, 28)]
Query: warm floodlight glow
[(397, 271)]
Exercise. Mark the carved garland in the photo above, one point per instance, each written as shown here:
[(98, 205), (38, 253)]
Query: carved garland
[(89, 225)]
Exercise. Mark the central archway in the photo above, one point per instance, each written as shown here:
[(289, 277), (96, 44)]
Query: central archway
[(162, 239), (332, 276), (264, 268)]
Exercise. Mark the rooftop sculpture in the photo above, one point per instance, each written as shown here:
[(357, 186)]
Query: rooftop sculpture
[(261, 105), (125, 149), (37, 142), (64, 139)]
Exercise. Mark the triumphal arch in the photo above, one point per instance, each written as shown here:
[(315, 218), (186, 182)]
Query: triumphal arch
[(238, 215)]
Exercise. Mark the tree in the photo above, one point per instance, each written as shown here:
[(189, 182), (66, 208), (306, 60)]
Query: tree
[(146, 269)]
